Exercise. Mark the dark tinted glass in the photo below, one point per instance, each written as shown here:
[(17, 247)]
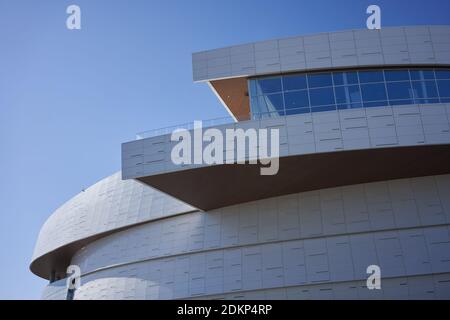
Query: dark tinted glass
[(396, 75), (422, 101), (294, 83), (349, 106), (399, 90), (422, 74), (302, 93), (444, 88), (298, 111), (269, 103), (442, 74), (322, 96), (343, 78), (375, 104), (371, 76), (296, 99), (373, 92), (347, 94), (424, 89), (400, 102), (269, 85), (323, 108), (317, 80)]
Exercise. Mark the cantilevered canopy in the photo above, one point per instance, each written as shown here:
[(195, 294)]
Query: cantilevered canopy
[(222, 185)]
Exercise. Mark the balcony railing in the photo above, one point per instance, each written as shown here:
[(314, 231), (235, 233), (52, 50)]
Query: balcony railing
[(271, 115), (188, 126)]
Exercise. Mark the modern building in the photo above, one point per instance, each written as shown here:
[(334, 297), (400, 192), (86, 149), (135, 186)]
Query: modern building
[(364, 179)]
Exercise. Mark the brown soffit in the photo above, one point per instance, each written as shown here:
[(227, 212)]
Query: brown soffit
[(234, 95), (223, 185)]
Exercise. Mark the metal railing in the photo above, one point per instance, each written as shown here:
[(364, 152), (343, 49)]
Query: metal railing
[(188, 126), (272, 114)]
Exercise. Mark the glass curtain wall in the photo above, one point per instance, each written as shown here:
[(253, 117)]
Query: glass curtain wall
[(325, 91)]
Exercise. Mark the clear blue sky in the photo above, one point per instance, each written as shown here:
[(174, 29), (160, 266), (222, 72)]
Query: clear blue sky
[(68, 99)]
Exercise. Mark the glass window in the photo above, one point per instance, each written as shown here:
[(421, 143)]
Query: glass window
[(396, 75), (422, 74), (424, 89), (444, 88), (323, 108), (432, 100), (347, 94), (400, 102), (269, 85), (399, 90), (322, 91), (344, 78), (321, 97), (298, 111), (268, 103), (317, 80), (373, 92), (349, 106), (254, 105), (294, 83), (297, 99), (442, 74), (269, 115), (375, 104), (371, 76), (252, 88)]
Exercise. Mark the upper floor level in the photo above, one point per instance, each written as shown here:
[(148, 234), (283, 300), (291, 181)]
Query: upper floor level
[(227, 70), (350, 107)]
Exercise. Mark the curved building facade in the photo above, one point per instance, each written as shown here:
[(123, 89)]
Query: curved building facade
[(364, 179)]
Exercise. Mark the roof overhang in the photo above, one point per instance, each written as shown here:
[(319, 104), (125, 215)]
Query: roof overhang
[(59, 259), (217, 186)]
